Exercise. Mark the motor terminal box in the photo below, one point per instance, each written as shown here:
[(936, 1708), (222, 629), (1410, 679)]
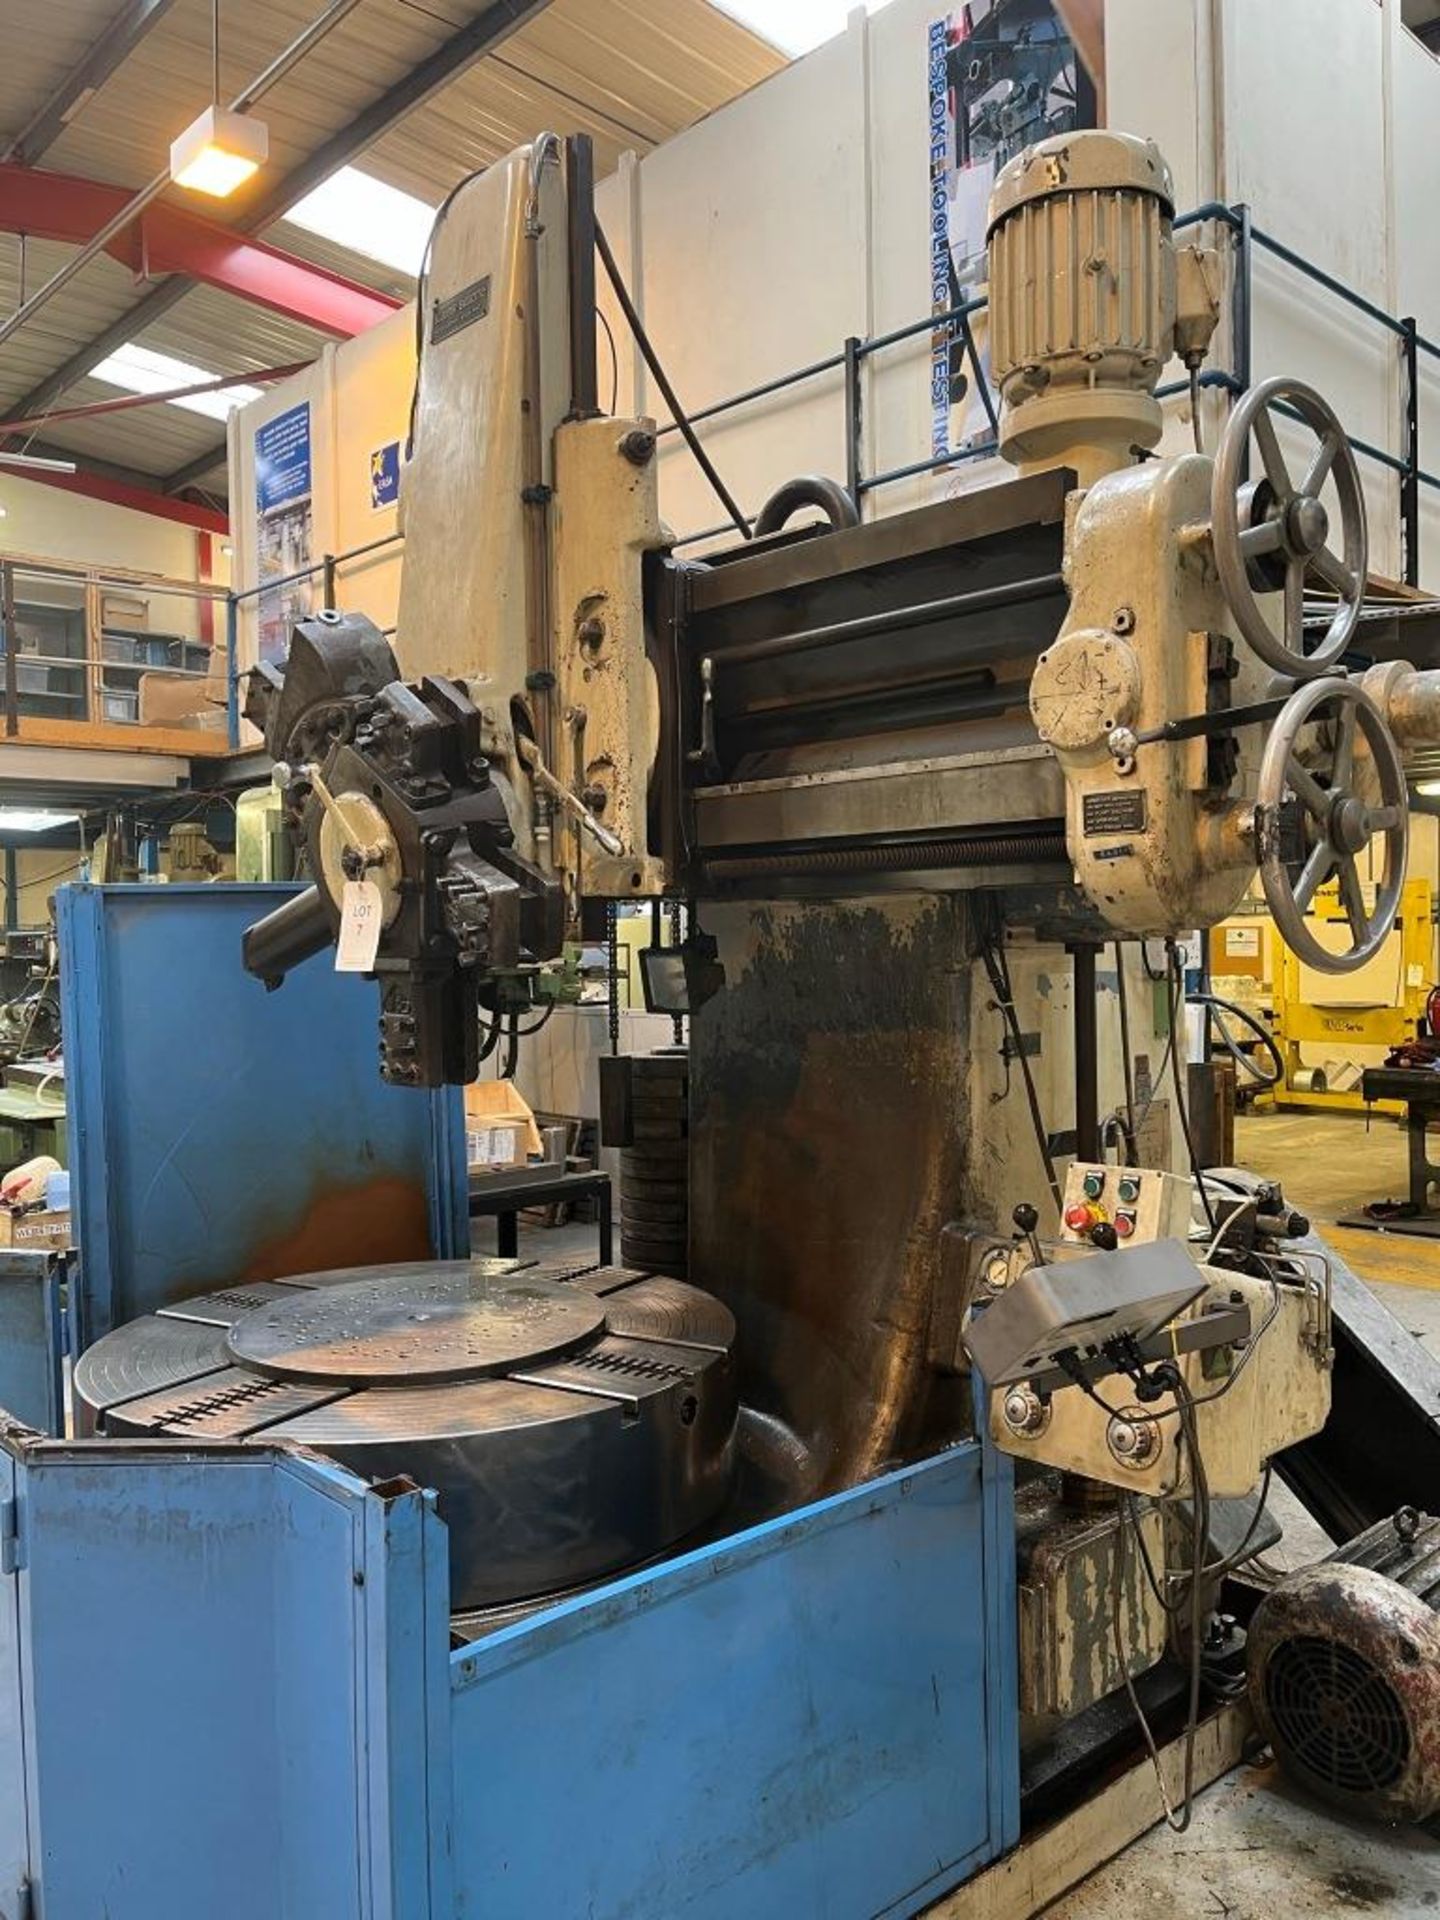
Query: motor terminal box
[(1142, 1204)]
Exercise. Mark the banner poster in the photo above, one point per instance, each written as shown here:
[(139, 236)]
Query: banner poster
[(1002, 74), (284, 525)]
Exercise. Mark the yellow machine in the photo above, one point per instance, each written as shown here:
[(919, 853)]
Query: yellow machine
[(1378, 1007), (1344, 1022)]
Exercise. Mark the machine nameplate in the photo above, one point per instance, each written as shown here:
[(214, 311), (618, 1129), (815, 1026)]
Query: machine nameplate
[(1122, 812), (461, 310)]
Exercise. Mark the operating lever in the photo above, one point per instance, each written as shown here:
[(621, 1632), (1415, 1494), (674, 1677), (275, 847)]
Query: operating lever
[(1027, 1219), (610, 842)]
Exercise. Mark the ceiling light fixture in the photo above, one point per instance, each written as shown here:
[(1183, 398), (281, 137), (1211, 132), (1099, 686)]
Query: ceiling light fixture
[(37, 461), (34, 819), (220, 149)]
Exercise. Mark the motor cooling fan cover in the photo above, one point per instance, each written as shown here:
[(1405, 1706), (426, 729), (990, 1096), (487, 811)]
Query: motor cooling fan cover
[(1344, 1669)]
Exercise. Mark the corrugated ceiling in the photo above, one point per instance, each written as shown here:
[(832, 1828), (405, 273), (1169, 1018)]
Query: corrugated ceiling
[(629, 72)]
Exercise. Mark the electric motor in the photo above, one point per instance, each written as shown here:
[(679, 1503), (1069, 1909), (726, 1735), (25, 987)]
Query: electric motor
[(1082, 298), (1344, 1671)]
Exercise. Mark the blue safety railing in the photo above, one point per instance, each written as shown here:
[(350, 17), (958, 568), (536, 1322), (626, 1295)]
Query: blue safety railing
[(1246, 237), (850, 358)]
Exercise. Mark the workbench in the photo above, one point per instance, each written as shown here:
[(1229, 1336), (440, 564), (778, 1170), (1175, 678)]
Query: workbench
[(30, 1124), (508, 1191)]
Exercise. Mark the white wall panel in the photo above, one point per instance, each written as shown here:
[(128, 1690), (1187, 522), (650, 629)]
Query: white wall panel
[(758, 239), (753, 263)]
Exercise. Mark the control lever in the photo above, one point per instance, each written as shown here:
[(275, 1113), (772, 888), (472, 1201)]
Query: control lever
[(355, 860), (1027, 1220), (610, 843), (706, 755)]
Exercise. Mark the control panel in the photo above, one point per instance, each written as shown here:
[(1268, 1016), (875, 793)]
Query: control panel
[(1135, 1204)]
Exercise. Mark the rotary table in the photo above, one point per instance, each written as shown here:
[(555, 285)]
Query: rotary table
[(570, 1427)]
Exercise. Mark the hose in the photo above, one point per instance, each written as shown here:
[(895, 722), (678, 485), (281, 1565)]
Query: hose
[(1218, 1010)]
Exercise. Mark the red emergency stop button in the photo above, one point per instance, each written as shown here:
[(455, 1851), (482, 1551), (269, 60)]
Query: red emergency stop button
[(1078, 1218)]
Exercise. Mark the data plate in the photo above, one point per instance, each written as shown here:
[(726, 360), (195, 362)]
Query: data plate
[(461, 310), (1122, 812)]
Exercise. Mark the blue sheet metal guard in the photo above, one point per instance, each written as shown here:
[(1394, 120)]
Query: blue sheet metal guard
[(219, 1132), (226, 1679)]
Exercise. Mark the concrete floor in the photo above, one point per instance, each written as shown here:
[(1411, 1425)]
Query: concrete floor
[(1256, 1849)]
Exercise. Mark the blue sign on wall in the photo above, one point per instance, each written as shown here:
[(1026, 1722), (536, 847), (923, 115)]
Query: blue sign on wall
[(385, 475), (282, 458)]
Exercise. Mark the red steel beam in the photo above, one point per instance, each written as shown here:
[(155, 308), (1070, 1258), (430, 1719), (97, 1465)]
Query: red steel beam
[(218, 384), (98, 486), (169, 239)]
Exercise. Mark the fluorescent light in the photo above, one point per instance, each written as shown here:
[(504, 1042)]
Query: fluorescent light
[(1430, 788), (34, 460), (141, 370), (218, 151), (795, 26), (33, 819), (357, 211)]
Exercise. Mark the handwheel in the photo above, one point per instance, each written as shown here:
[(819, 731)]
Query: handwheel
[(1273, 534), (1338, 822)]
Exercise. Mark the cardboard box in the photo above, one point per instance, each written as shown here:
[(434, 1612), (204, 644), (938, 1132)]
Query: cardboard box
[(35, 1232), (124, 610), (500, 1129), (169, 699)]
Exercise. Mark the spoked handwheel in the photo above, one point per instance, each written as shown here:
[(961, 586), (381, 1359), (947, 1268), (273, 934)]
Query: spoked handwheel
[(1273, 534), (1337, 820)]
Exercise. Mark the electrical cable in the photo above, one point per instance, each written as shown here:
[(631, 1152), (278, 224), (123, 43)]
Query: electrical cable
[(524, 1033), (1150, 972), (1176, 1007), (71, 866), (35, 1004), (1127, 1061), (1177, 1819), (1216, 1569), (677, 412), (992, 952), (422, 284), (492, 1037), (1074, 1369), (1156, 1084), (1195, 408), (614, 362), (1217, 1009)]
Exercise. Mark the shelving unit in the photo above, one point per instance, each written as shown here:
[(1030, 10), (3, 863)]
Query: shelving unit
[(81, 655), (128, 652), (50, 659)]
